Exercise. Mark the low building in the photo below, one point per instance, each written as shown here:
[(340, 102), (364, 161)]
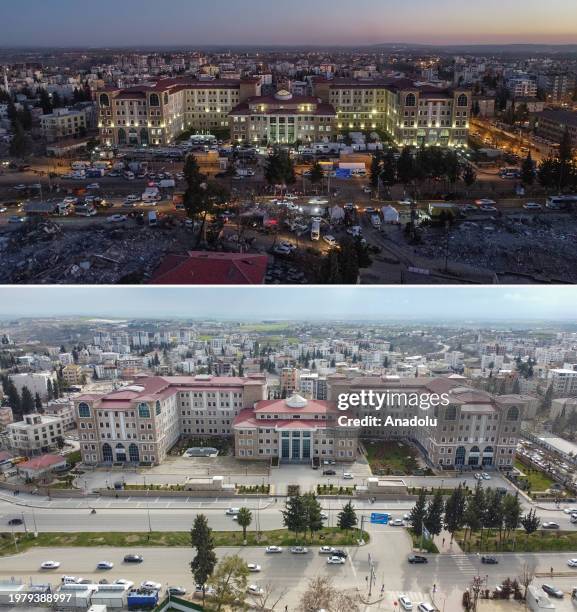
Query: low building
[(34, 435), (63, 123), (562, 407), (40, 466), (295, 430), (6, 416), (37, 382), (63, 408), (552, 125)]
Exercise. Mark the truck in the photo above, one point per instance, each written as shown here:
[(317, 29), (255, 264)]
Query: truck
[(356, 169), (167, 183), (80, 165), (376, 221), (142, 598), (151, 195), (152, 218), (316, 230)]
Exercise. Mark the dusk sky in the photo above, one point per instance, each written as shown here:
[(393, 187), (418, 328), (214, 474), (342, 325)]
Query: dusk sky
[(284, 22), (309, 303)]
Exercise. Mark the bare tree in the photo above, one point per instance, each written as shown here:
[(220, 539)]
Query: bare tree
[(269, 598), (526, 577), (322, 595)]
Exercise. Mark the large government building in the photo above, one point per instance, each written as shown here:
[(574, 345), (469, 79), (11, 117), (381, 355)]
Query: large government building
[(412, 113)]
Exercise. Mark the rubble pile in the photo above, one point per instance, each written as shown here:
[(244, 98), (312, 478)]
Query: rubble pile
[(541, 247), (46, 253)]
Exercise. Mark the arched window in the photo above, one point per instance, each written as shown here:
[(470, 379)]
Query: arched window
[(157, 407), (121, 136), (513, 413), (463, 100), (488, 450), (475, 449), (154, 100), (83, 410), (143, 411), (460, 456), (411, 100), (104, 100), (133, 453), (450, 413), (144, 136), (107, 453)]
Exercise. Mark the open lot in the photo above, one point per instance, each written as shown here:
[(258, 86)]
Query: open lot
[(391, 457)]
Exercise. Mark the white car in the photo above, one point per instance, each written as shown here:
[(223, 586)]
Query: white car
[(132, 198), (232, 511), (485, 476), (273, 549), (367, 190), (105, 565), (348, 476), (253, 567), (570, 510), (405, 602), (334, 560), (484, 202), (425, 607), (93, 186), (116, 218), (299, 550), (127, 583), (50, 565), (330, 240), (281, 250), (532, 206), (572, 563), (397, 523), (327, 550), (70, 580), (405, 202), (150, 584), (254, 589)]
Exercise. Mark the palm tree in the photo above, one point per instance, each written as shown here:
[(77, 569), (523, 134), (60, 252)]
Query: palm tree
[(244, 519)]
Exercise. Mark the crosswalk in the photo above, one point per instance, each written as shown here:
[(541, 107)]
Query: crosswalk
[(464, 563), (390, 598)]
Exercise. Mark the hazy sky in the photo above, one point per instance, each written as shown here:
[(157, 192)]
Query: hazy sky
[(455, 303), (283, 22)]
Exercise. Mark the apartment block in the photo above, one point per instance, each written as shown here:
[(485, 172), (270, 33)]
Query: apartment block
[(63, 123), (552, 124), (564, 382), (35, 435)]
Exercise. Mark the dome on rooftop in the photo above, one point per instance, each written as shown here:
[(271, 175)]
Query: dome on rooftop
[(296, 401), (283, 94)]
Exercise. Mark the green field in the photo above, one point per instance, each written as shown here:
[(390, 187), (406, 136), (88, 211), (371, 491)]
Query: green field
[(390, 457), (332, 536), (538, 481), (540, 541)]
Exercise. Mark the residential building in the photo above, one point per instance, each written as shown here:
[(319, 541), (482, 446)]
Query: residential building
[(552, 124), (73, 374), (63, 123), (6, 416), (289, 380), (37, 382), (564, 382), (140, 423), (155, 113), (473, 430), (35, 435), (295, 430), (558, 87), (63, 408), (562, 407), (522, 86), (282, 118)]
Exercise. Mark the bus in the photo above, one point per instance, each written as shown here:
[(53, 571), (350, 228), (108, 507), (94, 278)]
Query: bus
[(561, 202)]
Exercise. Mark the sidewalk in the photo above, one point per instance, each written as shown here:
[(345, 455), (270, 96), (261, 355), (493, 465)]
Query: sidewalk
[(444, 544)]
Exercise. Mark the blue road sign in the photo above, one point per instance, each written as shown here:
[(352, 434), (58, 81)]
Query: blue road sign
[(379, 519)]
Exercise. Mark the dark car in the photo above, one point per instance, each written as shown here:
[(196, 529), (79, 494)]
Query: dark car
[(340, 553), (417, 559), (490, 560), (553, 591), (133, 559), (329, 473), (15, 521)]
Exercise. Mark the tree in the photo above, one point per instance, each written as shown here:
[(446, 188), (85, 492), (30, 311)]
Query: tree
[(204, 562), (279, 169), (321, 594), (473, 517), (269, 597), (13, 397), (230, 581), (530, 522), (18, 144), (244, 519), (511, 512), (347, 518), (313, 513), (316, 173), (454, 511), (469, 175), (418, 513), (294, 515), (38, 403), (49, 391), (406, 167), (375, 170), (526, 577), (434, 516), (528, 170), (27, 401), (547, 400)]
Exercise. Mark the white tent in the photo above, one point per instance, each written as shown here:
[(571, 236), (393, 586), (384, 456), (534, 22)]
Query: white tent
[(390, 214), (337, 213)]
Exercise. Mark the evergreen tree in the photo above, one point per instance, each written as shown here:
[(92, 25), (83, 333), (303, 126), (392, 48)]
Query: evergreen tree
[(474, 511), (434, 517), (530, 522), (316, 173), (27, 401), (375, 170), (37, 403), (347, 518), (204, 562), (313, 513), (469, 175), (454, 511), (418, 513), (18, 144), (511, 512), (294, 515), (528, 170), (49, 391)]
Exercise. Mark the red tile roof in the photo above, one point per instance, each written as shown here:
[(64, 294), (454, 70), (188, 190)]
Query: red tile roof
[(280, 406), (205, 268), (42, 462)]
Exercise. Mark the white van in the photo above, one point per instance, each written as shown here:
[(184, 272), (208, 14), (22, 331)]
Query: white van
[(232, 511), (315, 230), (376, 221)]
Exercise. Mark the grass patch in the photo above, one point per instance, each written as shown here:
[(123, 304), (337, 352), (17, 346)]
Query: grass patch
[(330, 489), (428, 545), (332, 536), (540, 541), (535, 479), (390, 457)]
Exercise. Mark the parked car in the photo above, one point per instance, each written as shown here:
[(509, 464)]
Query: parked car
[(550, 525), (150, 584), (425, 607), (176, 590), (133, 559), (273, 549), (70, 580), (127, 583), (335, 560), (299, 550), (330, 240), (532, 206), (405, 602), (553, 591), (327, 550), (348, 476), (417, 559), (340, 553)]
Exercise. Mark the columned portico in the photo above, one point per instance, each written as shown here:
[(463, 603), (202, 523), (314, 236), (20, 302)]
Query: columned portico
[(295, 446)]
